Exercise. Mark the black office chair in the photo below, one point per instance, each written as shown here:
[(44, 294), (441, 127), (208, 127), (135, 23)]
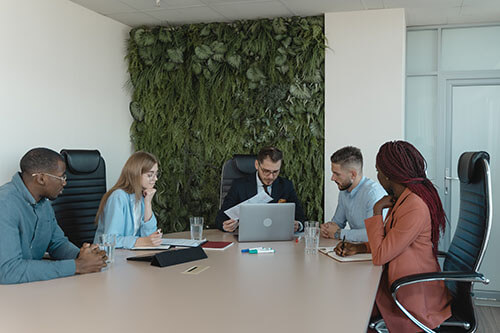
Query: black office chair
[(77, 206), (237, 167), (462, 261)]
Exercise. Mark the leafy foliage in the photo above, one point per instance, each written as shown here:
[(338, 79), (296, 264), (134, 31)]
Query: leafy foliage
[(203, 92)]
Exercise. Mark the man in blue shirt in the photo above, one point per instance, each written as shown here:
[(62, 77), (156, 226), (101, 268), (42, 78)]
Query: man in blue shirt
[(357, 196), (29, 227)]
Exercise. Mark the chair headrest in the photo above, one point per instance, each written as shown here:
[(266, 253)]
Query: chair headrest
[(245, 163), (81, 161), (467, 165)]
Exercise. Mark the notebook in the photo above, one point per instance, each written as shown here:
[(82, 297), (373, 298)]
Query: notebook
[(266, 222), (357, 257), (216, 245)]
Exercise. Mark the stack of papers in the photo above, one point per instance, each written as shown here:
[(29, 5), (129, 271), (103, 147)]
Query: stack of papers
[(160, 247), (182, 242), (234, 212)]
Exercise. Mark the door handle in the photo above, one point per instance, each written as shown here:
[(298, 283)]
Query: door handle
[(447, 180)]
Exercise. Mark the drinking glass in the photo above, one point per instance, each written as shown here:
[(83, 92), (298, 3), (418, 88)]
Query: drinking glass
[(107, 243), (196, 226), (311, 235)]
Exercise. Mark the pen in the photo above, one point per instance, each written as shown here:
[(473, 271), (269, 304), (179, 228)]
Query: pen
[(253, 248), (192, 269), (342, 246), (261, 250)]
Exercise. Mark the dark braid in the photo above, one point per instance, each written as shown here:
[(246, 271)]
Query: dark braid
[(402, 163)]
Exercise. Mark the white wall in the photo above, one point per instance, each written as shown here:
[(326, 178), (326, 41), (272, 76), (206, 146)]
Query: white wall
[(62, 83), (364, 86)]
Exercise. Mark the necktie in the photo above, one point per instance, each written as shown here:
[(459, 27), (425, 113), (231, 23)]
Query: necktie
[(265, 189)]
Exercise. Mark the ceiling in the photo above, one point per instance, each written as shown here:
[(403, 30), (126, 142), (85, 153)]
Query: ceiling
[(174, 12)]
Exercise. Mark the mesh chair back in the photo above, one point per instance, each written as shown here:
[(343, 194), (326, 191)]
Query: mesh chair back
[(77, 206), (237, 167)]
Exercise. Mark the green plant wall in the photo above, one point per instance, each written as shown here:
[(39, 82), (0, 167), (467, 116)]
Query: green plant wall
[(203, 92)]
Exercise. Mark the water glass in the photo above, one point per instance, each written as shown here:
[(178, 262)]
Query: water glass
[(196, 226), (107, 243), (311, 235)]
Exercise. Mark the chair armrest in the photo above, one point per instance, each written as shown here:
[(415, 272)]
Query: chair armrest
[(439, 276), (435, 276)]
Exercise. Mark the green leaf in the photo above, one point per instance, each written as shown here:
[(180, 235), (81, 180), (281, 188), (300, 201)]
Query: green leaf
[(234, 60), (286, 42), (164, 35), (175, 55), (196, 67), (203, 52), (254, 74), (299, 92), (136, 111), (279, 26), (283, 69), (169, 66), (280, 60), (218, 57), (205, 31), (218, 47)]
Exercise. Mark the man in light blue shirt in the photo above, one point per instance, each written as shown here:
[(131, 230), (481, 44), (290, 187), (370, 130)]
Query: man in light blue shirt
[(357, 196), (28, 226)]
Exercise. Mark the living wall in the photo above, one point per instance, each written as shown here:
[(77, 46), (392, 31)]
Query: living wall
[(203, 92)]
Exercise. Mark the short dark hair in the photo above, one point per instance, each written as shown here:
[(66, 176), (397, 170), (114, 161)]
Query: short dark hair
[(348, 156), (40, 160), (270, 152)]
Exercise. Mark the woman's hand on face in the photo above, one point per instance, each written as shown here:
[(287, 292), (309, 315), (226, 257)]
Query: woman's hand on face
[(148, 194), (386, 202)]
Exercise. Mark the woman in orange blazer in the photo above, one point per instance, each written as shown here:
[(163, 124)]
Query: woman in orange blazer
[(406, 242)]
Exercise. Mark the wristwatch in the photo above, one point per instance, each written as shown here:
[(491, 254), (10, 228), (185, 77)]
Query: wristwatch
[(337, 234)]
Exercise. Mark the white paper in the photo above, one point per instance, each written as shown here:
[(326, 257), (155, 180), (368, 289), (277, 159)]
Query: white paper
[(160, 247), (356, 257), (234, 212), (182, 242)]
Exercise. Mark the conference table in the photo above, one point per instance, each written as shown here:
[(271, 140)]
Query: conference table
[(287, 291)]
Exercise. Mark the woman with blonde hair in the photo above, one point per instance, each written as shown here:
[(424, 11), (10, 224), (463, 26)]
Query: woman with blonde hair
[(125, 210)]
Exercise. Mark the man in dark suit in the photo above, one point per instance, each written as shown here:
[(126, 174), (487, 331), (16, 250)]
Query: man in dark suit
[(268, 165)]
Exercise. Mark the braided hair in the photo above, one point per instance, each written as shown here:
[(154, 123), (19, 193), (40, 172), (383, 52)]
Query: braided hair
[(402, 163)]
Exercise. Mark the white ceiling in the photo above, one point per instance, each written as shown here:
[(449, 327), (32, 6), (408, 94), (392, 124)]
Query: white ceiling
[(173, 12)]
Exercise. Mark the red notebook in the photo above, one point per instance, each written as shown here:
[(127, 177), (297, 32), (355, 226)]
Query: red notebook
[(216, 245)]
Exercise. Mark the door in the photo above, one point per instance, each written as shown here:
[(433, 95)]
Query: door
[(473, 124)]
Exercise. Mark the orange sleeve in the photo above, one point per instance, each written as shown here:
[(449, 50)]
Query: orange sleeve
[(408, 222)]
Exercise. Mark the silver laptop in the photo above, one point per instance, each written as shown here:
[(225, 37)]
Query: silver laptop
[(266, 222)]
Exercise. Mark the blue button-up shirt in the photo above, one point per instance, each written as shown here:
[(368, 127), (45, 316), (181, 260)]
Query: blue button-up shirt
[(356, 206), (27, 230)]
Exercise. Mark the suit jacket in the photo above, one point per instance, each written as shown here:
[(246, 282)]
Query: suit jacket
[(404, 246), (246, 187)]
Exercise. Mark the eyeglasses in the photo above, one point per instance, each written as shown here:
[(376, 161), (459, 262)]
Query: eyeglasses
[(151, 174), (269, 172), (62, 179)]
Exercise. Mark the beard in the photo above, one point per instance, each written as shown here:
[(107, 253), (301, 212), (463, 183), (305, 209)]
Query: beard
[(343, 187)]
